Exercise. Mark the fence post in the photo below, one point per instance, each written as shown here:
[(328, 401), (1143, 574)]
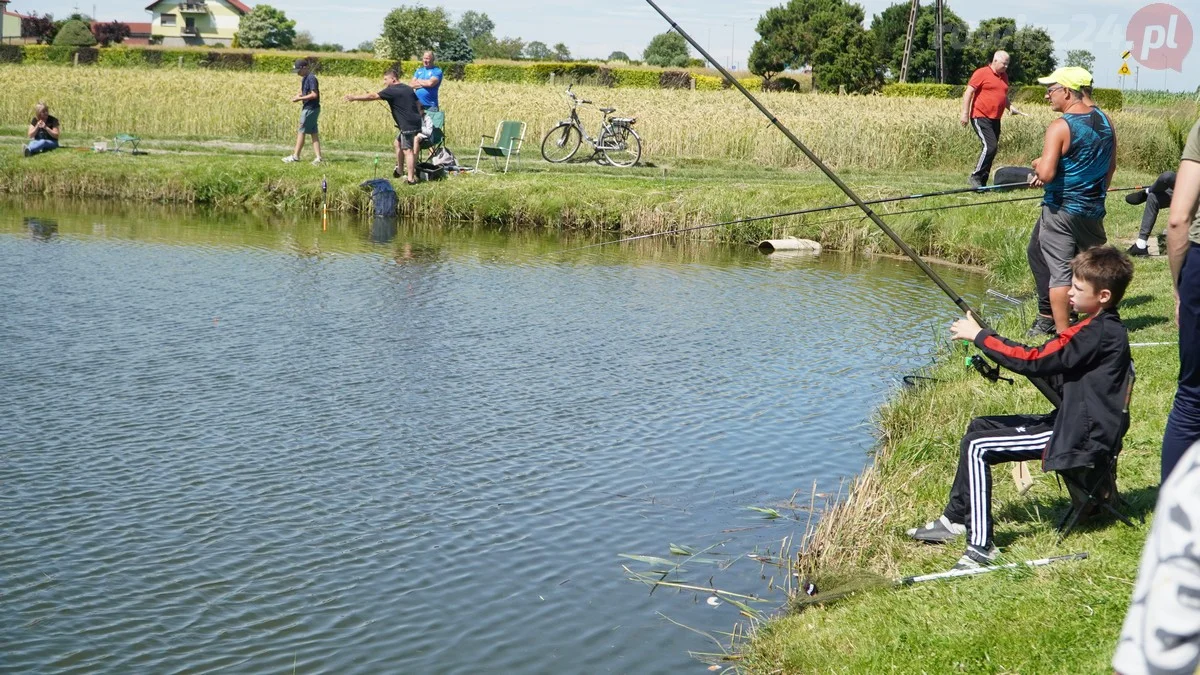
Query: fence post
[(693, 79), (552, 78), (76, 59), (181, 63)]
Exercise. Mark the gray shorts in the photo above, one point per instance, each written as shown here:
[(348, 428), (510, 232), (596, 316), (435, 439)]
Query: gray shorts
[(1062, 236), (406, 139), (308, 120)]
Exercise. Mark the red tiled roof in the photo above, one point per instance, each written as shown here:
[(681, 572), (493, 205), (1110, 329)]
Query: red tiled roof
[(239, 6), (135, 29)]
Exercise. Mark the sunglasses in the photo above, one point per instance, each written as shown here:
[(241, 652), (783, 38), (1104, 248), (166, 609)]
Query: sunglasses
[(1055, 88)]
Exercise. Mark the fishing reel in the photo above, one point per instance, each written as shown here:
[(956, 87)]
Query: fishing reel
[(987, 369)]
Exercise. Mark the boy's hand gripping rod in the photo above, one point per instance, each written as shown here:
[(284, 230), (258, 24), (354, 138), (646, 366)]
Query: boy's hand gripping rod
[(1041, 384)]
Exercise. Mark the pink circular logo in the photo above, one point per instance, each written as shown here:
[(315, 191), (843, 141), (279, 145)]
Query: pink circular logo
[(1161, 36)]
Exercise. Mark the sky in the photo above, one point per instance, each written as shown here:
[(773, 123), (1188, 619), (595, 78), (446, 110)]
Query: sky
[(596, 28)]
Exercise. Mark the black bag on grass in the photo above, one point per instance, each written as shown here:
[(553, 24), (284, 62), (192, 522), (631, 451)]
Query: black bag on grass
[(1012, 174)]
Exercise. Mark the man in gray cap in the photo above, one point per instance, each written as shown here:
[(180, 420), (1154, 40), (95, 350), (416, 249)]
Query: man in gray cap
[(309, 99)]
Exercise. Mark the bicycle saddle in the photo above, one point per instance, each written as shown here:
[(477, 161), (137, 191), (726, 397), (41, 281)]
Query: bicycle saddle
[(608, 110)]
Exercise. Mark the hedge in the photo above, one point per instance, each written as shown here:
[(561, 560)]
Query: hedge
[(267, 62), (1108, 99), (924, 90)]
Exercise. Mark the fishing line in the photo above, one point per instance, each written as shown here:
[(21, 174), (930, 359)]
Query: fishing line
[(805, 211)]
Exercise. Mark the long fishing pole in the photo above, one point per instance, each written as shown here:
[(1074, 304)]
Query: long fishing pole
[(1041, 385), (801, 212)]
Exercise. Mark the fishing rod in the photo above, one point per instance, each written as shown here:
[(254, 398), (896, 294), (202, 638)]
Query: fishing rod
[(1041, 385), (815, 209)]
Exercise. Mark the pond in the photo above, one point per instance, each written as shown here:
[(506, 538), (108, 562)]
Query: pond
[(252, 443)]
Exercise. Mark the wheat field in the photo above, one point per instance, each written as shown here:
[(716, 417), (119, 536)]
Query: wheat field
[(861, 132)]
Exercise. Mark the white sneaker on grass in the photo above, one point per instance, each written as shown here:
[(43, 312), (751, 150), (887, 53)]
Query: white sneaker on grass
[(290, 159), (318, 160), (938, 531)]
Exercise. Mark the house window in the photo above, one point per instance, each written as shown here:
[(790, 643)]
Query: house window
[(168, 19)]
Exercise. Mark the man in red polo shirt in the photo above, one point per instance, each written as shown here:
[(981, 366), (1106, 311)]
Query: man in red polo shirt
[(984, 103)]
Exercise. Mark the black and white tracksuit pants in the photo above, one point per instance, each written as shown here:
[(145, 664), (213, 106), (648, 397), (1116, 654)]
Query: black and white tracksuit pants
[(990, 441), (988, 131)]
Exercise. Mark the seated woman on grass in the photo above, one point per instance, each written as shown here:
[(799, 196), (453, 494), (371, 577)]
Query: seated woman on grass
[(43, 131)]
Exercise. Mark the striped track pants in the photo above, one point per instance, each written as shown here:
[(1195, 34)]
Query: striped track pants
[(990, 441)]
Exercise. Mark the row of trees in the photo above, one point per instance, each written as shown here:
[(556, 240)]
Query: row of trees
[(408, 31), (74, 31), (828, 36)]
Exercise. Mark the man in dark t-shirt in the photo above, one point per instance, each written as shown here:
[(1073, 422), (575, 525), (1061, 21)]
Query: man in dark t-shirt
[(406, 113), (309, 99), (43, 131)]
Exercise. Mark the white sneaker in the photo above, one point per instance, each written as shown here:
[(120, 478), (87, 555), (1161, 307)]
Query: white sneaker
[(290, 158), (318, 161)]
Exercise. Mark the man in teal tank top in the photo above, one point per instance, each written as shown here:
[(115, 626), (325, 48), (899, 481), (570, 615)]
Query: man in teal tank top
[(1079, 157)]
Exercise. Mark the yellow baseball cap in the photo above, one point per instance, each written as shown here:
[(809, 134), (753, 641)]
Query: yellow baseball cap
[(1072, 77)]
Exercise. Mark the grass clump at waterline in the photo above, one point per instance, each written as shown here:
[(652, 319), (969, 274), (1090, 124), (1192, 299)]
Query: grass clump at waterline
[(1064, 618), (586, 198)]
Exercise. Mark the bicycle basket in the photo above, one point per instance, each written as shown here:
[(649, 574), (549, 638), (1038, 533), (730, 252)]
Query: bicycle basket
[(622, 121)]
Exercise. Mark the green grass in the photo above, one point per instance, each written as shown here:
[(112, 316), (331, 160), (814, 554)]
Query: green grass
[(1059, 619)]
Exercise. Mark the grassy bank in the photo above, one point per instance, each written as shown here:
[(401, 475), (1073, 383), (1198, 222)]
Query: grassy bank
[(850, 133), (585, 198), (1058, 619)]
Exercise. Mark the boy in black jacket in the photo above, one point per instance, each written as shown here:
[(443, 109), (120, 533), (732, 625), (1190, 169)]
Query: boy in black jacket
[(1092, 363)]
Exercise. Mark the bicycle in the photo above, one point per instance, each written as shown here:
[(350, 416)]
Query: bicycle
[(618, 142)]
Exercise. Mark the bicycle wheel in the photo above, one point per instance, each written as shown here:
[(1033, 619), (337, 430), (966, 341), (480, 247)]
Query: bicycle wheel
[(561, 143), (620, 146)]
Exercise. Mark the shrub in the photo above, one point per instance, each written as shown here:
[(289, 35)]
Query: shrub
[(752, 83), (11, 54), (122, 57), (675, 79), (922, 90), (645, 79), (710, 83), (454, 71), (87, 55), (605, 77), (74, 33), (224, 61), (1109, 99), (493, 72), (782, 83)]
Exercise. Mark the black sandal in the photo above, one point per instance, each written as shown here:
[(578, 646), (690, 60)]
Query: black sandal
[(411, 182)]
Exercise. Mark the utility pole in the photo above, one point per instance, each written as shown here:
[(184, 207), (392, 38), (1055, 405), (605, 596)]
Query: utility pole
[(941, 45), (912, 27), (732, 33)]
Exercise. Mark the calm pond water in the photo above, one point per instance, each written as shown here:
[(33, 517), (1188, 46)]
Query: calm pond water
[(249, 444)]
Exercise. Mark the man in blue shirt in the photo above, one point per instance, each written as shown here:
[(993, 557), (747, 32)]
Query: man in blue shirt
[(309, 99), (426, 81)]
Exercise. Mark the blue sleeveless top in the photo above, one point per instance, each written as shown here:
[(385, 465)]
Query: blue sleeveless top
[(1079, 184)]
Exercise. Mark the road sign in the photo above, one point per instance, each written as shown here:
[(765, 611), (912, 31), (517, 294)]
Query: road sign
[(1126, 54), (1124, 70)]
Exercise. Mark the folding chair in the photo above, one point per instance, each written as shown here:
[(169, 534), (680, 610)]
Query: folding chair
[(121, 140), (506, 143), (438, 139), (1094, 488)]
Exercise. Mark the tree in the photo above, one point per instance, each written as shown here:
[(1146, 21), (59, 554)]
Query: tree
[(825, 34), (1081, 58), (74, 33), (618, 56), (538, 51), (890, 30), (456, 49), (488, 47), (1034, 57), (845, 57), (265, 27), (113, 32), (409, 31), (365, 46), (40, 28), (475, 24), (561, 52), (303, 40), (668, 50)]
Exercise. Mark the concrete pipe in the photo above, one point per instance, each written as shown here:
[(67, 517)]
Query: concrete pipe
[(789, 244)]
